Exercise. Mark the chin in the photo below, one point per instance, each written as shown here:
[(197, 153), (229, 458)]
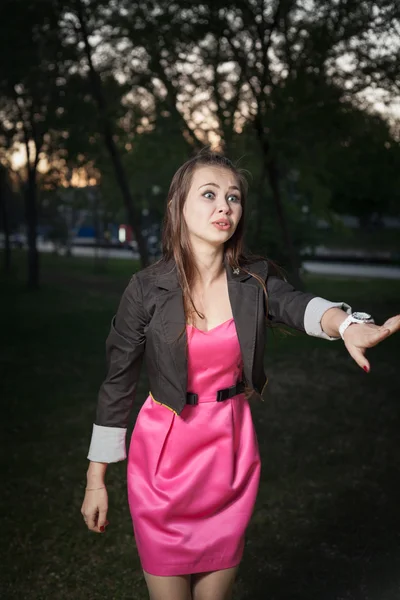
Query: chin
[(218, 239), (221, 238)]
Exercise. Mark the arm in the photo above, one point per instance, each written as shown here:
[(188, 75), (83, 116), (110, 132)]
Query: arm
[(303, 310), (124, 350), (358, 337), (322, 318), (331, 320)]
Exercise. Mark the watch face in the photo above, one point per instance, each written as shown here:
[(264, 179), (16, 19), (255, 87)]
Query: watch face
[(363, 316)]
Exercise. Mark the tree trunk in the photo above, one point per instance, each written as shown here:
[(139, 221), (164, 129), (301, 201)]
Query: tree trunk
[(31, 225), (273, 178), (260, 206), (5, 221), (271, 169), (98, 94)]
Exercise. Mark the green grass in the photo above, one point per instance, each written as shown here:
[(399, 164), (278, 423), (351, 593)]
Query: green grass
[(327, 521)]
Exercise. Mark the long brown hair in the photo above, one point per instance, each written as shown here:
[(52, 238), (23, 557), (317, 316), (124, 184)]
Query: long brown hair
[(175, 236)]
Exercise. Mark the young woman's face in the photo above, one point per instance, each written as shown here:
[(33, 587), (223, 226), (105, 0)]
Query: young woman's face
[(213, 206)]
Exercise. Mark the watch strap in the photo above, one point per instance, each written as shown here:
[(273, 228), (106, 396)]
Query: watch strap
[(352, 319)]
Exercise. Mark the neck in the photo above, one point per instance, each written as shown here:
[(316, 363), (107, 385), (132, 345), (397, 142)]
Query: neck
[(210, 264)]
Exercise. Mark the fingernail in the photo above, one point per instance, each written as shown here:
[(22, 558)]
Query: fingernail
[(366, 369), (102, 528)]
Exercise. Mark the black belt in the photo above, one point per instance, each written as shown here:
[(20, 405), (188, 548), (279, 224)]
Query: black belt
[(238, 388)]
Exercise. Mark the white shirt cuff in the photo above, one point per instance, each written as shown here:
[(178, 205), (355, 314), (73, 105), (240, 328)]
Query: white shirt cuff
[(107, 444), (313, 316)]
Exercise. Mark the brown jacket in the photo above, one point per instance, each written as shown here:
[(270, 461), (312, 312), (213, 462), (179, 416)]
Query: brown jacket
[(147, 325)]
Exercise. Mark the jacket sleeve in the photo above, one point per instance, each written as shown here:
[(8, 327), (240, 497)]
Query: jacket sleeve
[(125, 346), (300, 310)]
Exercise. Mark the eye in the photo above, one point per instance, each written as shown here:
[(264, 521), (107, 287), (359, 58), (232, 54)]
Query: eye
[(207, 196), (235, 198)]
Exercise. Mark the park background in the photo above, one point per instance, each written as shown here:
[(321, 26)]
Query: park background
[(100, 103)]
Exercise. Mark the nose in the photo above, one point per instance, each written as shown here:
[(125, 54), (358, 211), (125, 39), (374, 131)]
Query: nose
[(224, 207)]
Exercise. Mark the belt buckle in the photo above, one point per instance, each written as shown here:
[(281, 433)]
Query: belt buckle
[(222, 395), (192, 398)]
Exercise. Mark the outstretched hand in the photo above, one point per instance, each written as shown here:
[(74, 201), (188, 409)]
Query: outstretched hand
[(358, 337)]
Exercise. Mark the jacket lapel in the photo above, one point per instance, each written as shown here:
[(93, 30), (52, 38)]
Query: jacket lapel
[(244, 299), (172, 315)]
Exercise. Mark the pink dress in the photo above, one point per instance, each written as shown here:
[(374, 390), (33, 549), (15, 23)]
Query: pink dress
[(193, 478)]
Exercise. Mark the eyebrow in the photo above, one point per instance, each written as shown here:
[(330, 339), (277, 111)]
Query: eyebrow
[(231, 187)]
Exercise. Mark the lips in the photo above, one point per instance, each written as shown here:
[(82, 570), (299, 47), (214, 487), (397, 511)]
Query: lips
[(222, 222)]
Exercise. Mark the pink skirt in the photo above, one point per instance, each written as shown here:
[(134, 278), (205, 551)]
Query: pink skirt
[(192, 484)]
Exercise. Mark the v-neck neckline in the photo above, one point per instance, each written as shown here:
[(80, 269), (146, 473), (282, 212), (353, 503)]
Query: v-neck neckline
[(212, 328)]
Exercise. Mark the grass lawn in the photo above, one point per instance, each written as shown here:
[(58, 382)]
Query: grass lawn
[(359, 239), (327, 522)]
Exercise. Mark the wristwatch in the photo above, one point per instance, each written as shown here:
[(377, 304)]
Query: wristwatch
[(355, 317)]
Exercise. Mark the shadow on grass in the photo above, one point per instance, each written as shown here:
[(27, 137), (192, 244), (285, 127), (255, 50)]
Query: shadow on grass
[(347, 548), (327, 523)]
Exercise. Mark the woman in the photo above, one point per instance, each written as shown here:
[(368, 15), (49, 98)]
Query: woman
[(198, 317)]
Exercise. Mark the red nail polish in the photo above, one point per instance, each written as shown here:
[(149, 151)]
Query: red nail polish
[(102, 528), (366, 369)]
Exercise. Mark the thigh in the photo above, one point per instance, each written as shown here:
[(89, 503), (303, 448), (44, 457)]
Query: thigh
[(216, 585), (168, 588)]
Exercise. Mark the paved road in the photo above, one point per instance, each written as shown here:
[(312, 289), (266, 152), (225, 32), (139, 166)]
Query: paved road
[(352, 269)]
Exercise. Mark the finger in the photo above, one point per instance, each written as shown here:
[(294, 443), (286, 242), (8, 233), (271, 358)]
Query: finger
[(377, 336), (358, 354), (393, 323), (102, 521), (99, 523), (91, 520), (369, 336)]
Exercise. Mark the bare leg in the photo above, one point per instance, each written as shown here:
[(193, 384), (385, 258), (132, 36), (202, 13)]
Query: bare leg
[(168, 588), (216, 585)]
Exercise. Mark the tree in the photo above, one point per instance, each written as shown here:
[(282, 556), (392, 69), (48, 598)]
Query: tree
[(32, 86), (364, 168), (4, 216), (84, 28)]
